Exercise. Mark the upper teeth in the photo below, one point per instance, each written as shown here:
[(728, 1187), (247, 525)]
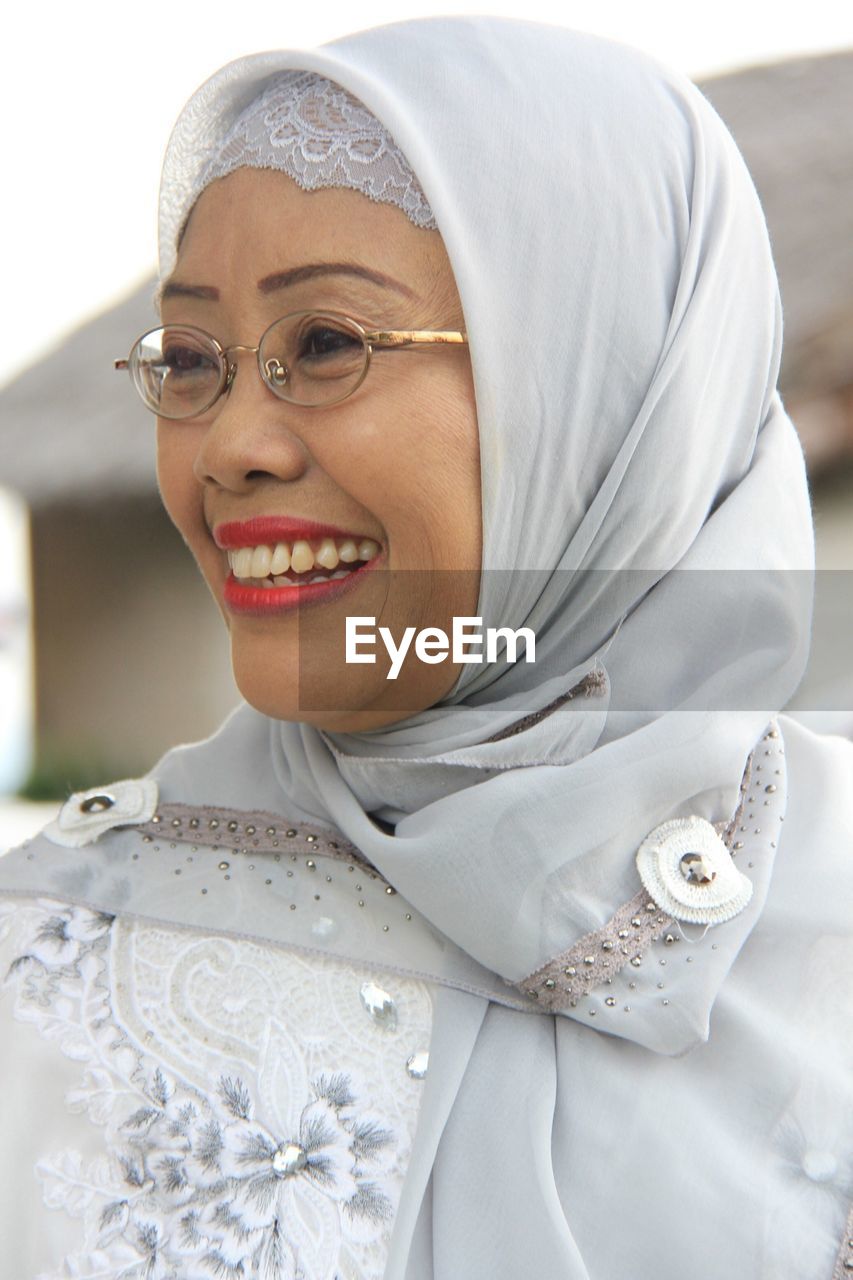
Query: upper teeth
[(300, 557)]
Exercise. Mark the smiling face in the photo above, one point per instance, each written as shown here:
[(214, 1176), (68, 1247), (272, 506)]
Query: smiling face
[(390, 475)]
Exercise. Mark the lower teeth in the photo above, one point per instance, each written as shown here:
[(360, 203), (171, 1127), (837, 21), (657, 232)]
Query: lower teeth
[(268, 583)]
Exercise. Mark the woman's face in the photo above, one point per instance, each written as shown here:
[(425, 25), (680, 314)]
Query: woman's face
[(393, 469)]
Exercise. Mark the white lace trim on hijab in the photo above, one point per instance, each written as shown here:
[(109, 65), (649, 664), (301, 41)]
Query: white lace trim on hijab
[(320, 136)]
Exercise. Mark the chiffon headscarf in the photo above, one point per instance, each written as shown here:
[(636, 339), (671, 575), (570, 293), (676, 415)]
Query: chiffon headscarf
[(645, 511)]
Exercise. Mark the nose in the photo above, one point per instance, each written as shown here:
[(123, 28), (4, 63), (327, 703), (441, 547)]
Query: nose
[(251, 434)]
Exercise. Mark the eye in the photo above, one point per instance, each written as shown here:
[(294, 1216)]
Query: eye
[(180, 359), (322, 339)]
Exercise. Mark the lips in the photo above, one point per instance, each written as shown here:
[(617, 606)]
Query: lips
[(271, 529), (265, 601)]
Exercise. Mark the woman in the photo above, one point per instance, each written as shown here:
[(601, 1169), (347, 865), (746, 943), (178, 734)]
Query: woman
[(493, 968)]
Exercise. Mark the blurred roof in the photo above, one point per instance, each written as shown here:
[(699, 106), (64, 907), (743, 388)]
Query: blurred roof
[(73, 429), (71, 426)]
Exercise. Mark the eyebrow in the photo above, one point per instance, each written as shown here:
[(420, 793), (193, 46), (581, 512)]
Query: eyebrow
[(284, 279)]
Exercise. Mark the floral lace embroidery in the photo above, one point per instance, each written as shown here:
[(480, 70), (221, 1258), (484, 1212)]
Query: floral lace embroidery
[(320, 136), (196, 1184)]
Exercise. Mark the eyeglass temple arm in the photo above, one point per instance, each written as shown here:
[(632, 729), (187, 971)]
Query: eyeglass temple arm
[(405, 337)]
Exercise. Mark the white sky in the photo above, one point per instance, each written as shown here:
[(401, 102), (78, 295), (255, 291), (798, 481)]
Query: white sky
[(90, 90)]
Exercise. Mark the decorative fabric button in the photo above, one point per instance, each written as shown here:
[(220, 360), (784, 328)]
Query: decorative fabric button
[(86, 815), (685, 866)]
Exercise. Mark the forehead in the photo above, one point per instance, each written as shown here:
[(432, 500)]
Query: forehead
[(256, 222)]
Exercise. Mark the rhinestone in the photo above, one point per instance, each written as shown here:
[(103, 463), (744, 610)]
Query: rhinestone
[(738, 844), (385, 928), (550, 984), (697, 868), (651, 906), (361, 902), (97, 804), (664, 1002), (636, 922), (589, 959), (632, 985), (689, 959), (660, 986), (232, 826), (408, 915), (311, 839), (291, 832), (310, 864), (176, 822), (610, 1001), (592, 1013), (147, 839), (213, 824), (535, 994), (390, 890), (669, 939), (250, 831), (627, 1008), (417, 1064), (290, 1158), (624, 933), (570, 971), (223, 866), (268, 882), (193, 823), (770, 788), (328, 879), (637, 961), (607, 946), (156, 819), (270, 831)]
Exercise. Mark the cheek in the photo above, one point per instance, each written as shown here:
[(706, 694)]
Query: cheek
[(180, 491)]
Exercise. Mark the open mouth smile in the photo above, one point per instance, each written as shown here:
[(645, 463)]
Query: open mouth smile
[(275, 577)]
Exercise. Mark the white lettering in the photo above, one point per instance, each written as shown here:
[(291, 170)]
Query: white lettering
[(511, 638), (431, 645), (354, 638), (461, 639), (396, 654)]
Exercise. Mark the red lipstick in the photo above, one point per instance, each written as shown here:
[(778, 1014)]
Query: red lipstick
[(268, 530), (263, 601)]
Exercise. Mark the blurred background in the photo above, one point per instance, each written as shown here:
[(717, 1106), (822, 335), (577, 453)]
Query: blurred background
[(111, 649)]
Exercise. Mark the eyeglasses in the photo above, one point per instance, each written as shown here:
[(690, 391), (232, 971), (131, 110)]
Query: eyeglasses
[(309, 358)]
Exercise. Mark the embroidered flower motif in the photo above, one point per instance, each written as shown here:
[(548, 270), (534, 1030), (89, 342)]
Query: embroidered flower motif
[(194, 1185)]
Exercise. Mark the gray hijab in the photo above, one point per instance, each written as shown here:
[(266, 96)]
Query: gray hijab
[(643, 489), (645, 511)]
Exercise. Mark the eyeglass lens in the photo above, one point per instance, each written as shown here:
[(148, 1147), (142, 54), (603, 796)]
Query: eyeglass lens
[(309, 358)]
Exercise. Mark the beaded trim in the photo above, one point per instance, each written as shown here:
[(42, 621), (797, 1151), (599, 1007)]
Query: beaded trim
[(599, 955), (843, 1268), (627, 936), (247, 832), (592, 684)]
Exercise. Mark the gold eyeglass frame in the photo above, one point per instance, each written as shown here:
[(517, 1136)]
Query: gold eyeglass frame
[(272, 378)]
